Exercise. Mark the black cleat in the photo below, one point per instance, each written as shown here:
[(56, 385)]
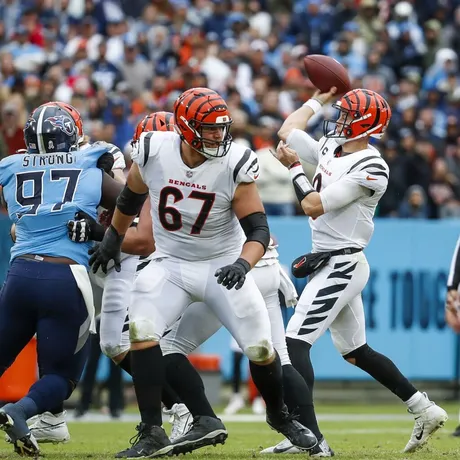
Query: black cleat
[(456, 433), (149, 442), (204, 431), (287, 424), (16, 427)]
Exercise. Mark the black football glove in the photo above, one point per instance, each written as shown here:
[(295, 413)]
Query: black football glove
[(84, 228), (233, 275), (105, 251), (106, 162)]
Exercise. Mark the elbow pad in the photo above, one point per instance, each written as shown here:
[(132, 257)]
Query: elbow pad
[(255, 227), (130, 203)]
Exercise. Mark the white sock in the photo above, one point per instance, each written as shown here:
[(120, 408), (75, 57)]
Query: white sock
[(417, 402)]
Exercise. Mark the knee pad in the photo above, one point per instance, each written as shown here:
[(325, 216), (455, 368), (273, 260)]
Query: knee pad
[(260, 352), (143, 330), (364, 352)]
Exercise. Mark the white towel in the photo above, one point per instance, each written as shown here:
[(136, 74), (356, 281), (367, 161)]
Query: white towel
[(287, 288), (81, 277)]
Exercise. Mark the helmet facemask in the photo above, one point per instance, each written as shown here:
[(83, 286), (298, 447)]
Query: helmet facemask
[(204, 141)]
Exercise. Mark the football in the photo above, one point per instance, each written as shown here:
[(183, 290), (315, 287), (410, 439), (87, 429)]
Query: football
[(325, 72)]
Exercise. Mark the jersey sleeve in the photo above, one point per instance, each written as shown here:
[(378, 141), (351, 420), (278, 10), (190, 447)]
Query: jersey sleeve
[(247, 169), (366, 177), (6, 167), (92, 154), (305, 146), (371, 172), (118, 158), (146, 148)]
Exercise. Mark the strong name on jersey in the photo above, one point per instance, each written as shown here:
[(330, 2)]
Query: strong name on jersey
[(351, 225), (43, 192), (192, 207)]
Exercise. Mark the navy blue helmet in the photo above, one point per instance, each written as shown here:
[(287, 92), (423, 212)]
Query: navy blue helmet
[(50, 129)]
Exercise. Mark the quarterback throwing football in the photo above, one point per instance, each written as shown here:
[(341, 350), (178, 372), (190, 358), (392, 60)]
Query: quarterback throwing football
[(350, 178)]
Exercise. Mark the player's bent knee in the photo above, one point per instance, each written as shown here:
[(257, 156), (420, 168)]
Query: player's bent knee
[(260, 352), (362, 353), (114, 350), (143, 330)]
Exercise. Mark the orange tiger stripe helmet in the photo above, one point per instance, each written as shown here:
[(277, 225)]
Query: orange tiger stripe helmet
[(155, 121), (74, 113), (362, 112), (201, 112)]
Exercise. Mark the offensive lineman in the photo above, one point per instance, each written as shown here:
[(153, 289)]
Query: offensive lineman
[(200, 185), (349, 181)]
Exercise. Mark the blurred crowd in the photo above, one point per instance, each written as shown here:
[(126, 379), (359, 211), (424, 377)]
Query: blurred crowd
[(116, 60)]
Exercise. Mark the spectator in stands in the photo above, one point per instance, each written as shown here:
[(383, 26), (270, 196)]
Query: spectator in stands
[(414, 205), (12, 125), (145, 53)]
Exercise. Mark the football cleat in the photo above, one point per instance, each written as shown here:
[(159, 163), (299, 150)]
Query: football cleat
[(286, 424), (48, 427), (283, 447), (235, 404), (204, 431), (427, 422), (258, 406), (321, 449), (15, 425), (150, 442), (180, 418)]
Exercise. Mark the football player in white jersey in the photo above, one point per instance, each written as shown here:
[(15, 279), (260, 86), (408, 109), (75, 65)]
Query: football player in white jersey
[(201, 188), (350, 178)]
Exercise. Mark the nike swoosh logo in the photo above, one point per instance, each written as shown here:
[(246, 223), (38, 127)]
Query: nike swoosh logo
[(298, 265), (280, 450), (370, 178), (419, 437)]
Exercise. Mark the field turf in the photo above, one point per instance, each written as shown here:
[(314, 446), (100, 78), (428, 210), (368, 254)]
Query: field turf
[(354, 431)]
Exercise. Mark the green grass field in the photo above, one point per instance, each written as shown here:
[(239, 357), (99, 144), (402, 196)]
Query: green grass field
[(354, 432)]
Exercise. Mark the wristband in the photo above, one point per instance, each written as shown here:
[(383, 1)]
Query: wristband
[(302, 186), (314, 104)]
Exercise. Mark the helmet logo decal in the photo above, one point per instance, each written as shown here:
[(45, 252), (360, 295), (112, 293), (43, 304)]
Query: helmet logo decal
[(63, 122)]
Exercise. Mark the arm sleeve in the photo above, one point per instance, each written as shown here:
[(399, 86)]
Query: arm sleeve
[(453, 280), (305, 146)]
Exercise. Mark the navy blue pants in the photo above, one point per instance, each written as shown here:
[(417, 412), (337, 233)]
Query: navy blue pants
[(43, 298)]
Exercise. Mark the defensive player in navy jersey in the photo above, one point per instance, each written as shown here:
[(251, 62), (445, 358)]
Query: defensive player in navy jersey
[(47, 290)]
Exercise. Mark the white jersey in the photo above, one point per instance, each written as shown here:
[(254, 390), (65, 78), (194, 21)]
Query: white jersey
[(362, 175), (118, 157), (118, 163), (192, 207)]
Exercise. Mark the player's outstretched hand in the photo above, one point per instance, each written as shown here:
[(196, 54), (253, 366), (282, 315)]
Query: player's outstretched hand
[(108, 249), (233, 275)]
